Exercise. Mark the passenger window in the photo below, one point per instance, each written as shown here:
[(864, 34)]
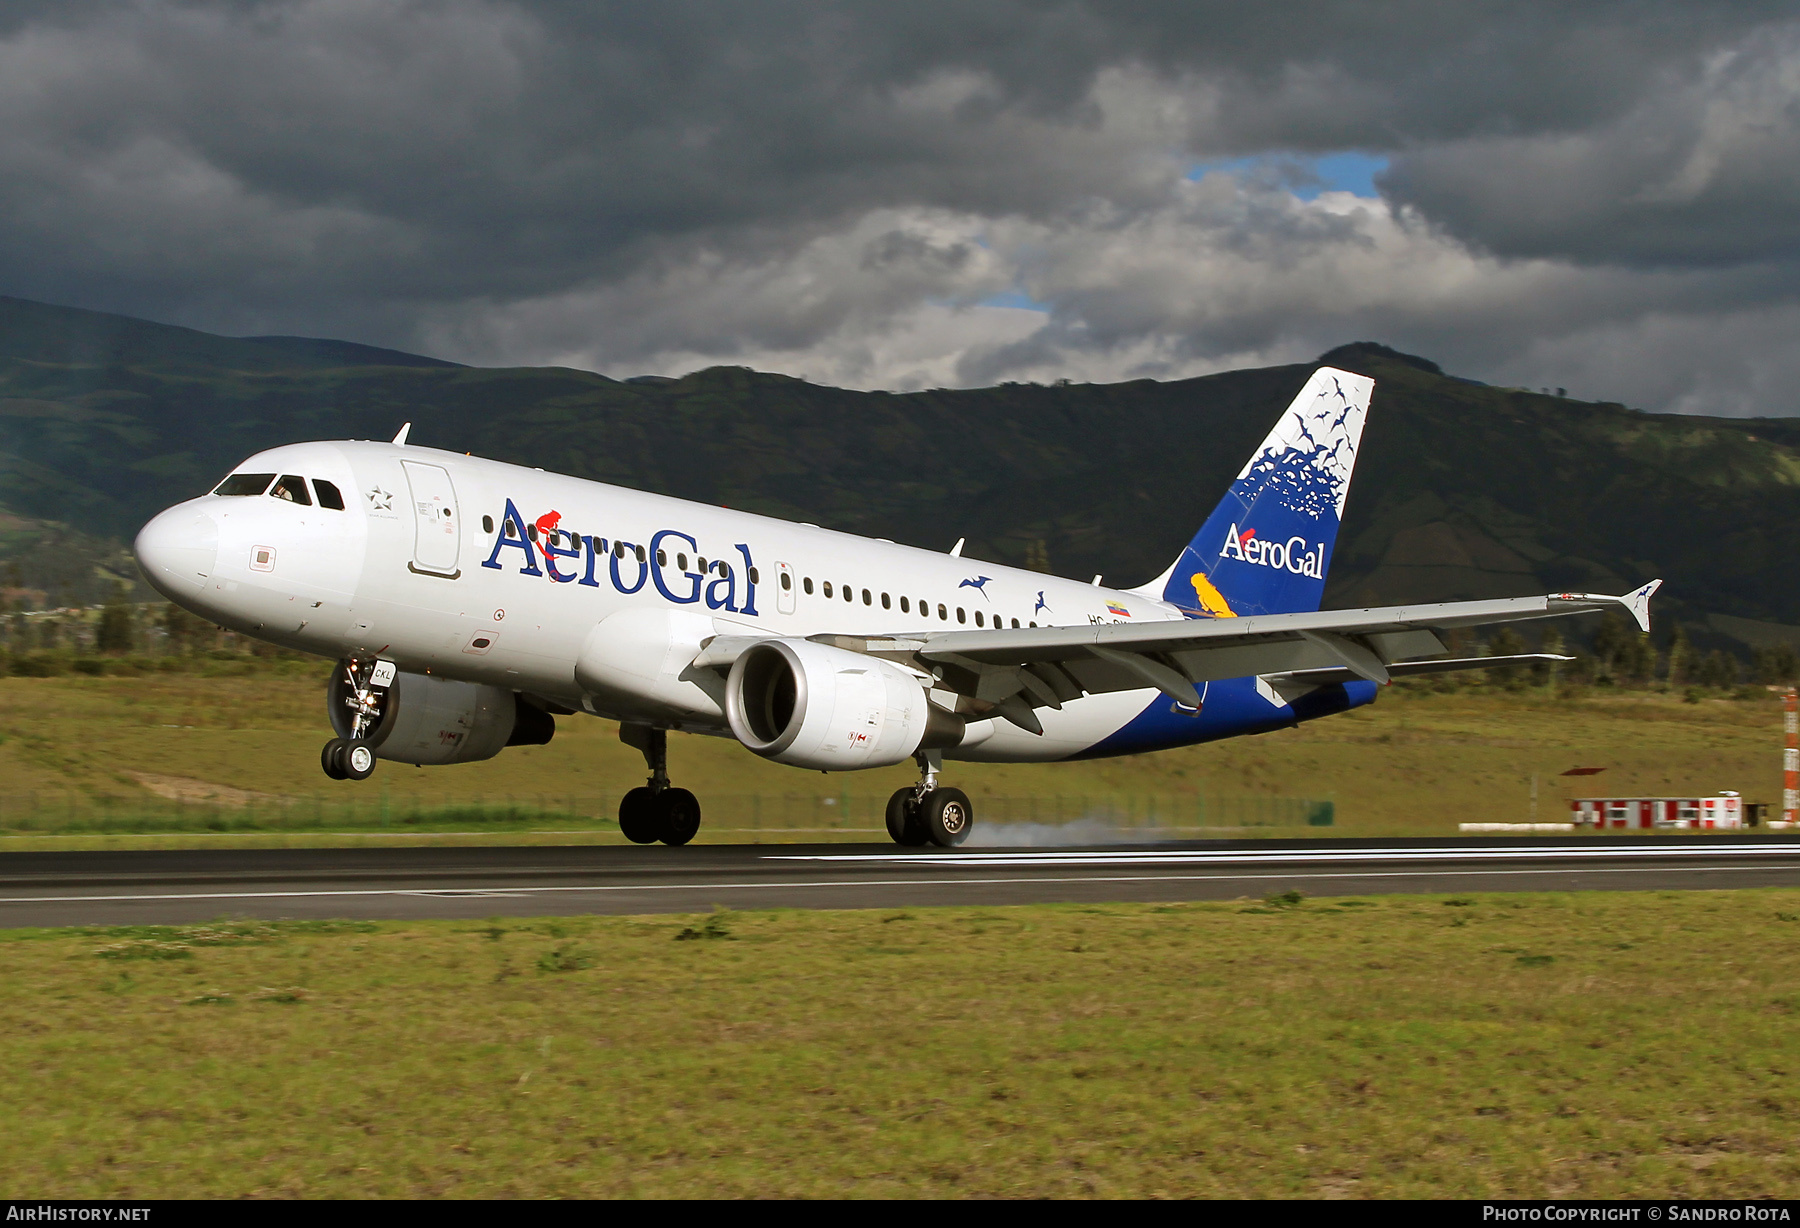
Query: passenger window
[(681, 560), (867, 599), (787, 582), (618, 550), (531, 531), (978, 618), (292, 488), (725, 570), (1034, 624), (806, 584), (640, 553), (826, 588), (885, 603), (662, 558), (943, 613), (700, 566), (487, 522), (1015, 624), (959, 615), (755, 576), (332, 498), (245, 484), (849, 594), (905, 606)]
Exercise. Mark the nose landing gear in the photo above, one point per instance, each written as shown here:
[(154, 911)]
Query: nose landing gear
[(656, 810), (364, 688), (926, 814)]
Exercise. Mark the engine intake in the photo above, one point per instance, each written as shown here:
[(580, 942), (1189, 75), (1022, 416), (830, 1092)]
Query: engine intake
[(429, 720), (814, 706)]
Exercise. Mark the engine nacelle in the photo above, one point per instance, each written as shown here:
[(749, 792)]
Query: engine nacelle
[(813, 706), (431, 720)]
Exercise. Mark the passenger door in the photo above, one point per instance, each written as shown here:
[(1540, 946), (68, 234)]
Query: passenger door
[(437, 533)]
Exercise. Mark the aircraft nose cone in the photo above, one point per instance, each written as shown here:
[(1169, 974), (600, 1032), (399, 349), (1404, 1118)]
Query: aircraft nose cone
[(178, 550)]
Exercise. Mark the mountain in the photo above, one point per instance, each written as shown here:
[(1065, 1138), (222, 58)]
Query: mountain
[(1462, 490)]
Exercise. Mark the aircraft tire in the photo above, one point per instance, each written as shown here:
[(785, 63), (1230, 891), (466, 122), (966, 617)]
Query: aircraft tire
[(903, 820), (638, 816), (357, 760), (332, 758), (678, 816), (947, 817)]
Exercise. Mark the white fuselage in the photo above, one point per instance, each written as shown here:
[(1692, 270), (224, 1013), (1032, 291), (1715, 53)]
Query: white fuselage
[(422, 568)]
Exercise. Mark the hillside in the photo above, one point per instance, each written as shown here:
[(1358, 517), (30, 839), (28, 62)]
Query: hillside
[(1463, 490)]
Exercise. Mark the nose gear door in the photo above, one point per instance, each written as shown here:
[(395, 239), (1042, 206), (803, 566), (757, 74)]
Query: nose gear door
[(437, 539)]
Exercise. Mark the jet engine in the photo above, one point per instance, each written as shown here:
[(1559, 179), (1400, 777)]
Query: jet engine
[(431, 720), (814, 706)]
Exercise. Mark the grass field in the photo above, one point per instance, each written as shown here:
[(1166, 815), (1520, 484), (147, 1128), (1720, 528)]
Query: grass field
[(1596, 1045), (1415, 763)]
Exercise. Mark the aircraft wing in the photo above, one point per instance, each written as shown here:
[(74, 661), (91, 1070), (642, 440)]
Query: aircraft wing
[(1014, 671)]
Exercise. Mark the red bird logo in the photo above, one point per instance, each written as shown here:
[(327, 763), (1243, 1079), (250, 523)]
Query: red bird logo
[(546, 527)]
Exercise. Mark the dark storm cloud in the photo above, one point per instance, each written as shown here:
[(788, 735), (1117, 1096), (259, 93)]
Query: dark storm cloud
[(817, 185), (1705, 171)]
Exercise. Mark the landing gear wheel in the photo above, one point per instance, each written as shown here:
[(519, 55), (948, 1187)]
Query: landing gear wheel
[(947, 817), (638, 817), (332, 758), (903, 819), (678, 816), (357, 760)]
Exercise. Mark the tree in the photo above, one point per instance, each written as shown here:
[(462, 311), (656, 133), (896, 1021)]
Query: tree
[(1719, 669), (1037, 555), (115, 634), (1778, 665), (1637, 659), (186, 633), (1680, 657), (1506, 643), (1612, 644), (1549, 671)]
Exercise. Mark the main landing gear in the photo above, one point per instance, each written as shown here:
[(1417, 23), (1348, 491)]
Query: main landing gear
[(656, 811), (926, 814), (365, 696)]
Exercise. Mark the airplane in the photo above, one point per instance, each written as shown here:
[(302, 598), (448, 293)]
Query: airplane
[(470, 603)]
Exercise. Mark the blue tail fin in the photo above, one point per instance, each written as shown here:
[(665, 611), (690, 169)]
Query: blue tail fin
[(1266, 547)]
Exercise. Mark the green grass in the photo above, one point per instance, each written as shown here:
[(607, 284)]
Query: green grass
[(1597, 1045), (74, 749)]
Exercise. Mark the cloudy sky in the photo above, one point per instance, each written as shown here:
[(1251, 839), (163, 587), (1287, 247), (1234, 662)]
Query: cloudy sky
[(1603, 196)]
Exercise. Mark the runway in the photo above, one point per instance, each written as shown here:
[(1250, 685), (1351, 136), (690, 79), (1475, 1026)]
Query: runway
[(173, 887)]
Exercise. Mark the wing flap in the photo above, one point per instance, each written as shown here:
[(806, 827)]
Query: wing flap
[(1030, 644)]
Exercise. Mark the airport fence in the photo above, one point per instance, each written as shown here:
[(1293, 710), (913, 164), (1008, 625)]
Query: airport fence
[(750, 816)]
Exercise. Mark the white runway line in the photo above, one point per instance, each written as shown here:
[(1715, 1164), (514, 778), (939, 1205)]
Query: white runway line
[(863, 882), (1295, 856)]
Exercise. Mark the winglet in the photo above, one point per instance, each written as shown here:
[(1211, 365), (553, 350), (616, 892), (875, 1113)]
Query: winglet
[(1639, 604), (956, 550), (1637, 601), (401, 437)]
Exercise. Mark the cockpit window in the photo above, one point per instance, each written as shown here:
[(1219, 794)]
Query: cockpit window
[(291, 488), (329, 495), (245, 484)]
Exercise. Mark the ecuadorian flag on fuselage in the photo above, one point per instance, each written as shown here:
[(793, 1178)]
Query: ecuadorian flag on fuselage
[(1266, 548)]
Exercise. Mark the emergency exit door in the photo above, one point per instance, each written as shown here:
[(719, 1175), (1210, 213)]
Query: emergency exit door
[(437, 531)]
